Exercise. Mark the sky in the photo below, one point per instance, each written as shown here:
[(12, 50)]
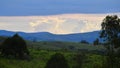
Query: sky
[(55, 16)]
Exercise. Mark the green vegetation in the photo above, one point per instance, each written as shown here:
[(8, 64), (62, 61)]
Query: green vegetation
[(57, 61), (41, 57), (72, 46), (110, 32), (14, 47), (77, 55), (96, 42)]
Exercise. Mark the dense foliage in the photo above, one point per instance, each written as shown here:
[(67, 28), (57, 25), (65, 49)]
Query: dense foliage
[(57, 61), (96, 42), (110, 32), (14, 47), (84, 41)]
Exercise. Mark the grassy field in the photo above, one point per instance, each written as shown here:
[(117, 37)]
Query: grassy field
[(41, 52)]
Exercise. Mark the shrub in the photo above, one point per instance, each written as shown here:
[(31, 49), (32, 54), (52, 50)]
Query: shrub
[(79, 58), (57, 61), (84, 41), (14, 46)]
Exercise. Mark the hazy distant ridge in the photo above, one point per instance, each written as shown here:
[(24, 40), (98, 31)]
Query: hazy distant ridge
[(46, 36)]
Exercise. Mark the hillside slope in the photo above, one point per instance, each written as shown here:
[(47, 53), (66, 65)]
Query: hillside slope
[(46, 36)]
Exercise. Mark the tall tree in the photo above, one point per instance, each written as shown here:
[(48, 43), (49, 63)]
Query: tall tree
[(110, 34), (110, 29)]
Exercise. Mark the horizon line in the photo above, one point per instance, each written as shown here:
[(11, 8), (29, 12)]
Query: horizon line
[(48, 32)]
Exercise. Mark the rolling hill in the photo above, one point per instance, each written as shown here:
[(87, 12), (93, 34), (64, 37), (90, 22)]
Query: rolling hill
[(46, 36)]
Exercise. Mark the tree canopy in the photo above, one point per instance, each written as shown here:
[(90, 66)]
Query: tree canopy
[(110, 31), (57, 61), (14, 46)]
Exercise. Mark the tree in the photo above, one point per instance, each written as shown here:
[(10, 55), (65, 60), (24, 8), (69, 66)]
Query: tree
[(14, 46), (84, 41), (110, 34), (110, 29), (57, 61), (96, 42), (72, 47)]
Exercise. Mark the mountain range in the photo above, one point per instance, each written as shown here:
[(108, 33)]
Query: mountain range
[(46, 36)]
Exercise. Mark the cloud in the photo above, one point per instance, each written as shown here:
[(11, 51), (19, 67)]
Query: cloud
[(50, 24), (64, 24), (57, 24)]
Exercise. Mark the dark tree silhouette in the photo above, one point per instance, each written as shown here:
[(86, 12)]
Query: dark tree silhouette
[(14, 46), (110, 33), (72, 47), (110, 29), (84, 41), (57, 61), (96, 42)]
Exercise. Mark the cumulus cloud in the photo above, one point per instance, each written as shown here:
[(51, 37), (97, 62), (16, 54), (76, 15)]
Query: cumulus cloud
[(47, 24), (63, 24), (57, 24)]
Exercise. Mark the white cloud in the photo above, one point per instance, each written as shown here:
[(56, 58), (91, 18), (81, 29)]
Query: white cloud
[(50, 24), (58, 24), (63, 24)]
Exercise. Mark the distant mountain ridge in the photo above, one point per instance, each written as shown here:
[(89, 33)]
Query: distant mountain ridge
[(46, 36)]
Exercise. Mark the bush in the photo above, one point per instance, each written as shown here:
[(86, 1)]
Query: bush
[(14, 46), (57, 61), (84, 42), (96, 42), (79, 58)]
